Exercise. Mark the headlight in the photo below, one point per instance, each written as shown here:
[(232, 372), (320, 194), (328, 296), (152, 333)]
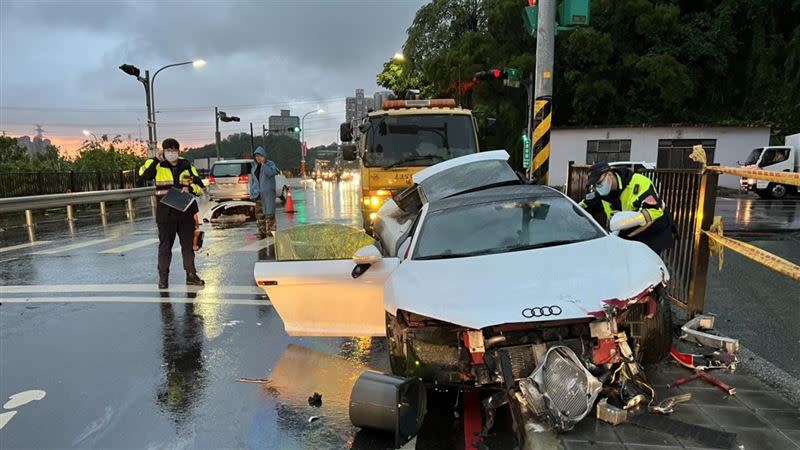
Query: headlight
[(374, 199)]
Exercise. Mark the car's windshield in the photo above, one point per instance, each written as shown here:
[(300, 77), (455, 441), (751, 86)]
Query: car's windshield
[(774, 156), (421, 140), (230, 169), (503, 226), (753, 158)]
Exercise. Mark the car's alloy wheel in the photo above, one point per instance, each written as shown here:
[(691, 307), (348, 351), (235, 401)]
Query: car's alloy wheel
[(778, 191)]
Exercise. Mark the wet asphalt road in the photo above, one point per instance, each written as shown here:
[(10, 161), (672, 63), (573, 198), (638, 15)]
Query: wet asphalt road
[(123, 365)]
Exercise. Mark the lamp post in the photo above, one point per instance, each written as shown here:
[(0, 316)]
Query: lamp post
[(303, 140), (147, 82), (88, 133)]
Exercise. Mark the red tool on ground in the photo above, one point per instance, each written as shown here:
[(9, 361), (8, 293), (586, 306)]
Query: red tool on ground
[(710, 379)]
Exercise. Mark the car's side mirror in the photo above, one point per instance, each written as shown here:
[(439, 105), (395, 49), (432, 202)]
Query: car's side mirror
[(348, 152), (345, 132), (624, 220)]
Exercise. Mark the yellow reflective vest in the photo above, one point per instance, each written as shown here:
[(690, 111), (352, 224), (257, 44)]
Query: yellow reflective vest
[(166, 175)]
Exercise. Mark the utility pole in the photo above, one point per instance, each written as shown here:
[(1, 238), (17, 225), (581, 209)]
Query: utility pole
[(151, 118), (252, 140), (216, 134), (264, 135), (543, 91)]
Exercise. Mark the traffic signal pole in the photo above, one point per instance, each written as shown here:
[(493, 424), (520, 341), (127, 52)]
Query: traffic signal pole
[(151, 117), (543, 91), (216, 134)]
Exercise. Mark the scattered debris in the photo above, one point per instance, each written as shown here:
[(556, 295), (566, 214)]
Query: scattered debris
[(696, 330), (710, 379), (315, 400), (667, 406), (610, 413), (313, 419)]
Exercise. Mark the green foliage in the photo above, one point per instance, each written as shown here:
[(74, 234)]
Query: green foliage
[(107, 154), (734, 62)]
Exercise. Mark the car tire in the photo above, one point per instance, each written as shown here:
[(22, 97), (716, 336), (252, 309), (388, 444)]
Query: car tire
[(397, 358), (652, 336), (777, 190)]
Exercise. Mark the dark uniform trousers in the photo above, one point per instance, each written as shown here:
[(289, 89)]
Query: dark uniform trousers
[(183, 227)]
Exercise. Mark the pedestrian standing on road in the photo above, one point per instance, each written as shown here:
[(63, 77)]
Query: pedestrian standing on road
[(263, 192), (620, 189), (167, 168)]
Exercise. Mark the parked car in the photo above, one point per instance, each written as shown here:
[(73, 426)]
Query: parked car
[(229, 179), (470, 263)]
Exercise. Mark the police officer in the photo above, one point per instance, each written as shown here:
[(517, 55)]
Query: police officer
[(620, 189), (167, 169)]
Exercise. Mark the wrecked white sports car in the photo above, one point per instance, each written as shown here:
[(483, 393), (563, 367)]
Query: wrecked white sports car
[(479, 280)]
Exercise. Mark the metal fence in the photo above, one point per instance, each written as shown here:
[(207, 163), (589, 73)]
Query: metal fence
[(691, 197), (20, 184)]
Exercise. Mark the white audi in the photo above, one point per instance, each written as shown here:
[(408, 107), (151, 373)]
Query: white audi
[(471, 262)]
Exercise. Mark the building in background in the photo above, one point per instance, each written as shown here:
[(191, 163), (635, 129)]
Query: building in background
[(379, 97), (280, 125), (667, 146), (350, 109), (36, 145)]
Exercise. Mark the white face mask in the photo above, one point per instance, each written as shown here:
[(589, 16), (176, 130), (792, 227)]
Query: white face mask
[(171, 155), (603, 188)]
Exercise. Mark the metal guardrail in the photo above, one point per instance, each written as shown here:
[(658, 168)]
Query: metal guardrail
[(18, 184), (36, 202), (691, 197)]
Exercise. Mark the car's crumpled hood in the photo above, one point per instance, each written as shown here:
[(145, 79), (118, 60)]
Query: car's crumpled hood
[(481, 291)]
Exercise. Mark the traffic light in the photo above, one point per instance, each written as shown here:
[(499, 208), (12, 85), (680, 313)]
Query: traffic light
[(226, 118), (293, 129), (510, 77), (130, 70), (488, 75)]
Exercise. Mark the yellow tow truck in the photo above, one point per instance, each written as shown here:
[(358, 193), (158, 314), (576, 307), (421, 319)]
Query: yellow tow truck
[(402, 138)]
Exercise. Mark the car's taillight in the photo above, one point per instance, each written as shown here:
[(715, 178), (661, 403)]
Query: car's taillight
[(211, 180), (244, 178)]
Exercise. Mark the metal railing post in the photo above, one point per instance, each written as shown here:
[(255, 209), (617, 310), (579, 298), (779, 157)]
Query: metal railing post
[(29, 224), (70, 213), (103, 214), (130, 209), (704, 216), (153, 206)]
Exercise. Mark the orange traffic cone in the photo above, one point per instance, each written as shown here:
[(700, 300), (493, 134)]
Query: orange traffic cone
[(289, 201)]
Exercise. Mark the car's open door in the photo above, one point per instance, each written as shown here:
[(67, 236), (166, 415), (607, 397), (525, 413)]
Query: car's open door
[(322, 298)]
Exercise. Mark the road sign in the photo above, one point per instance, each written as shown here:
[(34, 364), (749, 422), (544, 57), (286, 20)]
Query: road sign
[(526, 149)]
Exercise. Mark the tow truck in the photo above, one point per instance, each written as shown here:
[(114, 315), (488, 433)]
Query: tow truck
[(402, 138)]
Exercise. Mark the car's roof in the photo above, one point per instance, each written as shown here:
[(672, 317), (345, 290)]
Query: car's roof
[(233, 161), (495, 194)]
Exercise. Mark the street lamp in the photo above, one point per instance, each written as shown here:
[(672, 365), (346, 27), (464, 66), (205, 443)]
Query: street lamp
[(149, 97), (398, 58), (88, 133), (303, 139)]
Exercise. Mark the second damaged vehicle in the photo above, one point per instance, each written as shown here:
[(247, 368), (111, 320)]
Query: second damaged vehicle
[(479, 279)]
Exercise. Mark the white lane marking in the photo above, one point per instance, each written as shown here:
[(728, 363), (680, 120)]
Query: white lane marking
[(66, 248), (208, 289), (23, 398), (5, 417), (135, 245), (201, 301), (21, 246), (257, 245)]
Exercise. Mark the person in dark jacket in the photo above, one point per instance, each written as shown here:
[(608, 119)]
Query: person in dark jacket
[(167, 168), (263, 191)]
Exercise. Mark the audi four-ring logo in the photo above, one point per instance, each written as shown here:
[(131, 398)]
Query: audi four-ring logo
[(541, 311)]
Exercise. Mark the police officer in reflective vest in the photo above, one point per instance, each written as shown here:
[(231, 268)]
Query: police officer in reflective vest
[(167, 169), (620, 189)]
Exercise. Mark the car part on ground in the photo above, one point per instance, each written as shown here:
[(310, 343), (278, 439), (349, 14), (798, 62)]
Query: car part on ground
[(691, 331), (388, 403), (230, 211)]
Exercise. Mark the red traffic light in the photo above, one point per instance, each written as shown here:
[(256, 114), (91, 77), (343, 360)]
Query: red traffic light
[(496, 73)]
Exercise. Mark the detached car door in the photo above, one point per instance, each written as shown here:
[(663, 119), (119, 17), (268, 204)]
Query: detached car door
[(322, 297)]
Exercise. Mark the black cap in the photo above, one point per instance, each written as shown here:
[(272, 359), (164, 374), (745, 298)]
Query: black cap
[(596, 171), (170, 143)]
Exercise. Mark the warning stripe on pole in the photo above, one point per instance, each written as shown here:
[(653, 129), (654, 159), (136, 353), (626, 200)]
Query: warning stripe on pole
[(792, 178), (543, 116), (758, 255)]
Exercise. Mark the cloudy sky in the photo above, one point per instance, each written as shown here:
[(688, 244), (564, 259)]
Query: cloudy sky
[(59, 63)]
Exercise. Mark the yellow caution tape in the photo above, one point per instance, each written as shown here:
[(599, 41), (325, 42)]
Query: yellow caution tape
[(776, 263), (716, 248), (699, 155)]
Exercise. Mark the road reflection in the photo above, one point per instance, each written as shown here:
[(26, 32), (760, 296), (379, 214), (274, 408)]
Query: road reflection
[(182, 357), (327, 202), (760, 214)]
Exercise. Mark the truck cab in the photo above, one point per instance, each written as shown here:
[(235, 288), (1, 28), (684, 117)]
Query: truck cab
[(401, 139), (779, 158)]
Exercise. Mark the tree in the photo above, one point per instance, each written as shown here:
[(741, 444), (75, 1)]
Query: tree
[(107, 154), (13, 157)]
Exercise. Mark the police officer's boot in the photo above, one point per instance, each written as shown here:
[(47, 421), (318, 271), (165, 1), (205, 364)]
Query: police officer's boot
[(193, 280), (163, 280)]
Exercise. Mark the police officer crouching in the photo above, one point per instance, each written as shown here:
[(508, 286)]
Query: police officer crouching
[(167, 169), (620, 189)]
